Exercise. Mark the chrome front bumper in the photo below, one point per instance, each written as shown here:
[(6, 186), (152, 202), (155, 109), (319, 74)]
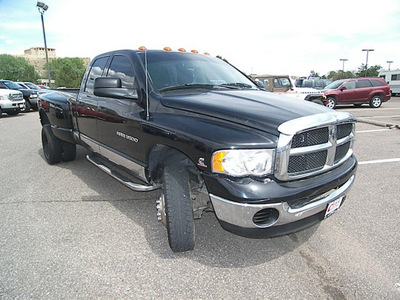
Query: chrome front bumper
[(241, 214)]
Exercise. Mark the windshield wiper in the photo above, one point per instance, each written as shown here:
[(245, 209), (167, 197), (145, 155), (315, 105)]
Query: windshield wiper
[(236, 85), (188, 86), (233, 85)]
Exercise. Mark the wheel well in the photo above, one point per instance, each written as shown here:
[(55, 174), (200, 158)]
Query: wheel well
[(380, 95), (160, 154), (43, 118)]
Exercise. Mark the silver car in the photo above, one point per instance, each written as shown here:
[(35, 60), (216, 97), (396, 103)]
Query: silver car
[(11, 102)]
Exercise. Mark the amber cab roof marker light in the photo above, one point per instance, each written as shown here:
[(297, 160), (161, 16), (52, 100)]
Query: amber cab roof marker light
[(143, 48)]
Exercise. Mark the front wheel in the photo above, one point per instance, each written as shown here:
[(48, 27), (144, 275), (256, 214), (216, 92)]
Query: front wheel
[(12, 113), (176, 208), (376, 101), (28, 106), (331, 102)]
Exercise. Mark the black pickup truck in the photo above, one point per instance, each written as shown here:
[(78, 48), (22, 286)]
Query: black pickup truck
[(203, 132)]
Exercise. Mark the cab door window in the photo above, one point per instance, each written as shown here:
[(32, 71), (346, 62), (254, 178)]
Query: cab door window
[(95, 71), (121, 67), (350, 85)]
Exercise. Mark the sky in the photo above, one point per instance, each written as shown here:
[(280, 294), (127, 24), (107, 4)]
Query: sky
[(258, 37)]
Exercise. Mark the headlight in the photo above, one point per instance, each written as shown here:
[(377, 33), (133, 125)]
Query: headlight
[(243, 162)]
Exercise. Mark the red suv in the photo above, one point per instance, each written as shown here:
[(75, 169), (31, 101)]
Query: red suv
[(357, 91)]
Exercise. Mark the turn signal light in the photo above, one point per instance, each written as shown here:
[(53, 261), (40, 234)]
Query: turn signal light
[(217, 161), (181, 50), (142, 48)]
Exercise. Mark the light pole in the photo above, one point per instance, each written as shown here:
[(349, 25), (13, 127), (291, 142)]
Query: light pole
[(343, 60), (42, 8), (389, 62), (366, 63)]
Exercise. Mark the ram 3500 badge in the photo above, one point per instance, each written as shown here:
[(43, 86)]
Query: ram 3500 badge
[(204, 133)]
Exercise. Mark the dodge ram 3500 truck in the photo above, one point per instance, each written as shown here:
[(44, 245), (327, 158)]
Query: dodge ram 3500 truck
[(200, 130)]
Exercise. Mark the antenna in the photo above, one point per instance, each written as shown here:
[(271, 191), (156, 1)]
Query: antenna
[(147, 86)]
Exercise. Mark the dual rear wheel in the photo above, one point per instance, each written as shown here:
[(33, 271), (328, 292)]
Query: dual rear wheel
[(54, 149)]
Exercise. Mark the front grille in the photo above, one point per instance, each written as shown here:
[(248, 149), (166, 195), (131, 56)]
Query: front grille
[(311, 138), (307, 162), (341, 151), (315, 144), (344, 130), (16, 97)]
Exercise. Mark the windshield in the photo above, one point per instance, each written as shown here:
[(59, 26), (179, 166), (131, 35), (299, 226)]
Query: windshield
[(12, 85), (32, 86), (334, 85), (174, 70)]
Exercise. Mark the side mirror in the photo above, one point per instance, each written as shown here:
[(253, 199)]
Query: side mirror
[(112, 88), (343, 88), (260, 84)]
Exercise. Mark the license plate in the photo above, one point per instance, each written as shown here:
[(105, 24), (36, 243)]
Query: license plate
[(333, 207)]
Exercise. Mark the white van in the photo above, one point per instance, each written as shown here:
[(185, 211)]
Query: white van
[(392, 78)]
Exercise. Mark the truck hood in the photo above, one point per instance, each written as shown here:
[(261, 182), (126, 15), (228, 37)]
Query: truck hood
[(304, 90), (253, 108)]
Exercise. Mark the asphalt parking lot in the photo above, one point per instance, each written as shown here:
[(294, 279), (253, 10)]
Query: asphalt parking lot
[(71, 232)]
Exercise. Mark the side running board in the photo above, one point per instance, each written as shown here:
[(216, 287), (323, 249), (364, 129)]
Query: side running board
[(121, 178)]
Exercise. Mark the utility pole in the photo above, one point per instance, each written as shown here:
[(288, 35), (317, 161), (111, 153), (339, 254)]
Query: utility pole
[(366, 63), (42, 8)]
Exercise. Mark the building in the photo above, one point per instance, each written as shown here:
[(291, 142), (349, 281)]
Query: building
[(36, 56)]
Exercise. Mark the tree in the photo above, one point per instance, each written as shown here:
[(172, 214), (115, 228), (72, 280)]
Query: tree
[(314, 74), (335, 75), (16, 69), (67, 72), (224, 59), (372, 71)]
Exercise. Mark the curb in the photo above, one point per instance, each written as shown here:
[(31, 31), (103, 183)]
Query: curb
[(378, 123)]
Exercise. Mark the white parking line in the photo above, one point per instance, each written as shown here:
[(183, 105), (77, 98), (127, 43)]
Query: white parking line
[(374, 109), (378, 117), (379, 161), (372, 130)]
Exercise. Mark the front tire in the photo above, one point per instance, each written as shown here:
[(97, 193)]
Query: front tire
[(52, 147), (28, 106), (331, 102), (12, 113), (376, 101), (177, 207)]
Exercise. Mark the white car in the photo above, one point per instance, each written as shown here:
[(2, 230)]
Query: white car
[(283, 85), (11, 102)]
